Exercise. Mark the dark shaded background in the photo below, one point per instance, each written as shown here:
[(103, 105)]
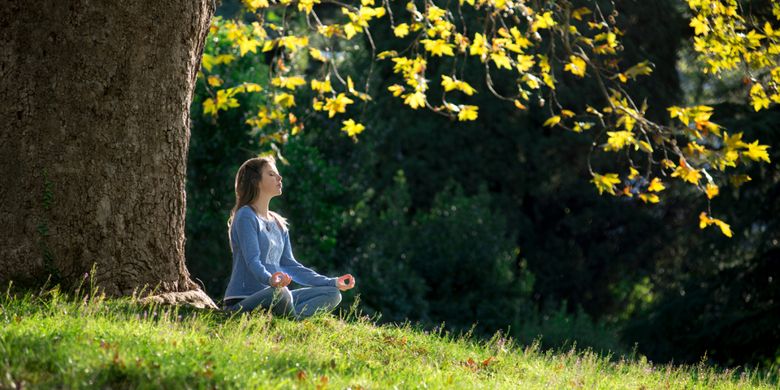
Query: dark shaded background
[(494, 222)]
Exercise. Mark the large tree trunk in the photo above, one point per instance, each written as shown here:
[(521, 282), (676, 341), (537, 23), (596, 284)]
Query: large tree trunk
[(95, 99)]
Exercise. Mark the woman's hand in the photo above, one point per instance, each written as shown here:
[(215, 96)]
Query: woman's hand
[(280, 280), (345, 282)]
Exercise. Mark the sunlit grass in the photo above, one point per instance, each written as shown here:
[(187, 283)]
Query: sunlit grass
[(53, 340)]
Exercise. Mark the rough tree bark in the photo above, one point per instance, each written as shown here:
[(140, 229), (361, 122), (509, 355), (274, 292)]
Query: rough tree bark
[(95, 99)]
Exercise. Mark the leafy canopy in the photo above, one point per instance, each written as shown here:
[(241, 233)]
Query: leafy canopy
[(540, 43)]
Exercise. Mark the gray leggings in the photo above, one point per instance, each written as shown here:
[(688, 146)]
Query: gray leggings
[(298, 303)]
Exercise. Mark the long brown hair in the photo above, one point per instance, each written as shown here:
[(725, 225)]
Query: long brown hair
[(248, 179)]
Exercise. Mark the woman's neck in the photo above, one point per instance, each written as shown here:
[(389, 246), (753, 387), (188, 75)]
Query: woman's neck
[(260, 205)]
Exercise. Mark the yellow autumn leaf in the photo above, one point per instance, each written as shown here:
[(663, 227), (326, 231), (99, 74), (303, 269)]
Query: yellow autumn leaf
[(293, 43), (656, 185), (552, 121), (317, 54), (579, 127), (208, 61), (350, 30), (605, 182), (633, 173), (284, 99), (644, 146), (247, 44), (705, 221), (435, 13), (223, 101), (466, 88), (321, 86), (225, 59), (438, 47), (451, 83), (448, 83), (530, 80), (686, 173), (307, 5), (576, 66), (261, 119), (288, 82), (214, 81), (253, 5), (544, 20), (579, 12), (467, 113), (247, 87), (617, 140), (549, 80), (317, 104), (679, 112), (329, 30), (209, 108), (758, 97), (401, 30), (699, 23), (734, 141), (501, 60), (414, 100), (524, 62), (297, 129), (649, 198), (351, 88), (387, 54), (269, 45), (641, 69), (479, 45), (711, 190), (337, 104), (756, 152), (396, 89), (352, 128)]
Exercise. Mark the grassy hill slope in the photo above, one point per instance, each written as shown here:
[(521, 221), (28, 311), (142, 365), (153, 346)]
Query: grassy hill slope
[(50, 340)]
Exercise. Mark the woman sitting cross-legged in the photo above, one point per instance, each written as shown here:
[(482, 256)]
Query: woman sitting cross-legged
[(263, 262)]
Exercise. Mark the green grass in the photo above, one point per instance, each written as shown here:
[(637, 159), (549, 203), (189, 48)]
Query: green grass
[(50, 340)]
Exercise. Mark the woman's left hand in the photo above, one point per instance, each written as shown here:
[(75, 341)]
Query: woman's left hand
[(345, 282)]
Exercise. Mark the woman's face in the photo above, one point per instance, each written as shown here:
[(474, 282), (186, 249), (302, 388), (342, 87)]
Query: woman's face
[(271, 183)]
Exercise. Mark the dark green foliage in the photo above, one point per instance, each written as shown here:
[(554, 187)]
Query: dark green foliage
[(464, 251), (384, 258), (721, 296), (401, 210), (454, 263), (558, 328)]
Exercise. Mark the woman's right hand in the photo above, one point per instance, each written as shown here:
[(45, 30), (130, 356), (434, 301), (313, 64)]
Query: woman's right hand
[(345, 282), (280, 280)]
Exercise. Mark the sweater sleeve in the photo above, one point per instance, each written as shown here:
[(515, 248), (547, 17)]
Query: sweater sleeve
[(247, 229), (298, 272)]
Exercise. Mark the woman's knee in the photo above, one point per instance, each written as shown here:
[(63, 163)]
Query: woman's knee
[(335, 295), (284, 299)]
